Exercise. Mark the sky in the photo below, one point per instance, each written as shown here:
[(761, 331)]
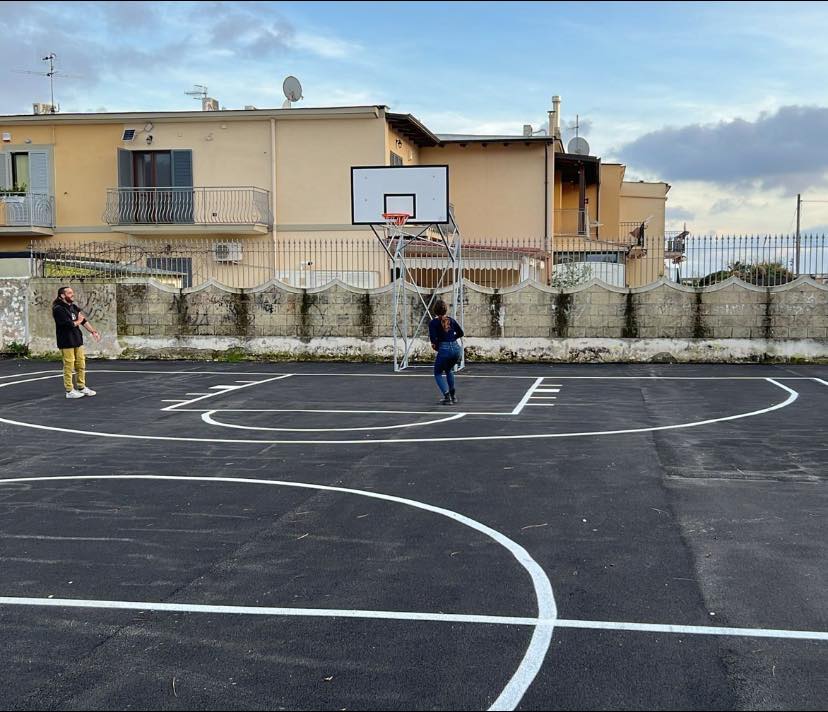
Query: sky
[(724, 101)]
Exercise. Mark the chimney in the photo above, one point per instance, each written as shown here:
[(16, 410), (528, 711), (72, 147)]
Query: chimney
[(555, 117), (209, 104), (527, 129)]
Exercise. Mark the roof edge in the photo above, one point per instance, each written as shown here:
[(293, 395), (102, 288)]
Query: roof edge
[(374, 111)]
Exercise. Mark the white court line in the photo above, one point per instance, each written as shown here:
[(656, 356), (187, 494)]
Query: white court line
[(324, 410), (532, 660), (415, 616), (793, 395), (30, 373), (694, 629), (422, 375), (819, 380), (226, 389), (29, 380), (230, 388), (539, 405), (544, 397), (276, 373), (548, 390), (519, 407), (208, 418)]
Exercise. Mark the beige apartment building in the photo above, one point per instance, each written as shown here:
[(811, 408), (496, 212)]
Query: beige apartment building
[(244, 185)]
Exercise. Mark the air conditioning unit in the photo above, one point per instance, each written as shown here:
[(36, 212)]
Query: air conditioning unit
[(227, 252)]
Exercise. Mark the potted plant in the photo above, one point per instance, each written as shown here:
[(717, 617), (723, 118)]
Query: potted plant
[(17, 194)]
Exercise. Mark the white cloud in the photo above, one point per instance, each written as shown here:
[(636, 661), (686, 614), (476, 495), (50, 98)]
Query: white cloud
[(327, 47)]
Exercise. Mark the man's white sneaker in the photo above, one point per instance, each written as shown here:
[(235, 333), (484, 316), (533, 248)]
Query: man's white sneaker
[(88, 392), (74, 394)]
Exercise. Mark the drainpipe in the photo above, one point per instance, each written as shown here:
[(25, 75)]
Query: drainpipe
[(273, 186), (273, 171), (553, 132), (546, 196)]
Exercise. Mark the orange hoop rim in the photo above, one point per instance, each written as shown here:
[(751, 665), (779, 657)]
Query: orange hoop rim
[(398, 219)]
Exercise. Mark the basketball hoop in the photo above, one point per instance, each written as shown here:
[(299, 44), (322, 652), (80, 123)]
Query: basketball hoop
[(398, 219)]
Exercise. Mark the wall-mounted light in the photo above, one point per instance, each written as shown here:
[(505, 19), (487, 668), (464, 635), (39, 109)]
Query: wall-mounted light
[(399, 143), (149, 139)]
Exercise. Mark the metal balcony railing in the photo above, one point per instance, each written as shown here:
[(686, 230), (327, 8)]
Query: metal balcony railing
[(574, 223), (27, 210), (188, 206), (675, 243), (632, 232)]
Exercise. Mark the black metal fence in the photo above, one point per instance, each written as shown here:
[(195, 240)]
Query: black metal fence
[(561, 262)]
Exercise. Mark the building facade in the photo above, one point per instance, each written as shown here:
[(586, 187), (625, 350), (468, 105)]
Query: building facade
[(244, 185)]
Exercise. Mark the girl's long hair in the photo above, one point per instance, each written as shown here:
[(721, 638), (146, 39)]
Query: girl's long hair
[(440, 310)]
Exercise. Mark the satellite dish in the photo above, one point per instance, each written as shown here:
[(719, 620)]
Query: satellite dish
[(578, 146), (292, 89)]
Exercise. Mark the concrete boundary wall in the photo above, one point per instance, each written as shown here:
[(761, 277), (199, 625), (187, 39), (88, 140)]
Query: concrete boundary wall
[(730, 321)]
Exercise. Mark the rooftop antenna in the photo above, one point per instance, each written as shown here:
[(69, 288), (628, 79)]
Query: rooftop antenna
[(51, 74), (577, 145), (293, 91), (199, 91)]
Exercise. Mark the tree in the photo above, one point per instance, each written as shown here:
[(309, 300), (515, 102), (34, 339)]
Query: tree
[(762, 274), (568, 275)]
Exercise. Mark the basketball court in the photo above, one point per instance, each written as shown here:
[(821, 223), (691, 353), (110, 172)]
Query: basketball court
[(327, 536)]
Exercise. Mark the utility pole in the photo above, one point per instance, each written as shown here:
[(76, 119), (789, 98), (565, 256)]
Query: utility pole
[(798, 240)]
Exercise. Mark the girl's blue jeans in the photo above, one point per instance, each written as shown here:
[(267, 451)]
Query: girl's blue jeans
[(448, 356)]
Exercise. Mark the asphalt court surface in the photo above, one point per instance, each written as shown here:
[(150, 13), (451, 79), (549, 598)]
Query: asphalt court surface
[(327, 536)]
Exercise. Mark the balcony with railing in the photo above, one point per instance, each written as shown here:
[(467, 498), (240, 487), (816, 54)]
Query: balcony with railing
[(27, 214), (574, 223), (675, 244), (217, 210)]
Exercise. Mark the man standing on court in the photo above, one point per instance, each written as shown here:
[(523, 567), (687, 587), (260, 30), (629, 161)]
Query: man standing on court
[(68, 320)]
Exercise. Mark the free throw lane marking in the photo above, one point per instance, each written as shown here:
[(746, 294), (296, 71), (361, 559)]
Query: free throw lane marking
[(523, 401), (221, 390)]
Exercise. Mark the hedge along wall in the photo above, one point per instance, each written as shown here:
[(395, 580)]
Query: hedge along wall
[(732, 320)]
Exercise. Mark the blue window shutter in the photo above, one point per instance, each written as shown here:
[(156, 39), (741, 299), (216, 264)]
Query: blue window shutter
[(182, 169), (39, 174), (5, 171), (182, 179), (124, 168)]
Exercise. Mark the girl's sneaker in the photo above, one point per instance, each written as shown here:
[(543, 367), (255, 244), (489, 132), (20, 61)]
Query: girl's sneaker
[(88, 391), (74, 394), (446, 400)]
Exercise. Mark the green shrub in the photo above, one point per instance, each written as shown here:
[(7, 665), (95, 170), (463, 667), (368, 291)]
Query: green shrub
[(17, 350)]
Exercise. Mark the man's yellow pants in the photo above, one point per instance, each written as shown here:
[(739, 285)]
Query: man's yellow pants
[(74, 360)]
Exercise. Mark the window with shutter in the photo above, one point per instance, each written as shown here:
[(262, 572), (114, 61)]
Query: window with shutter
[(5, 171)]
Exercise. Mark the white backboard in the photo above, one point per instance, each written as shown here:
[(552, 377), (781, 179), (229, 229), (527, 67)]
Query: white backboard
[(420, 191)]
